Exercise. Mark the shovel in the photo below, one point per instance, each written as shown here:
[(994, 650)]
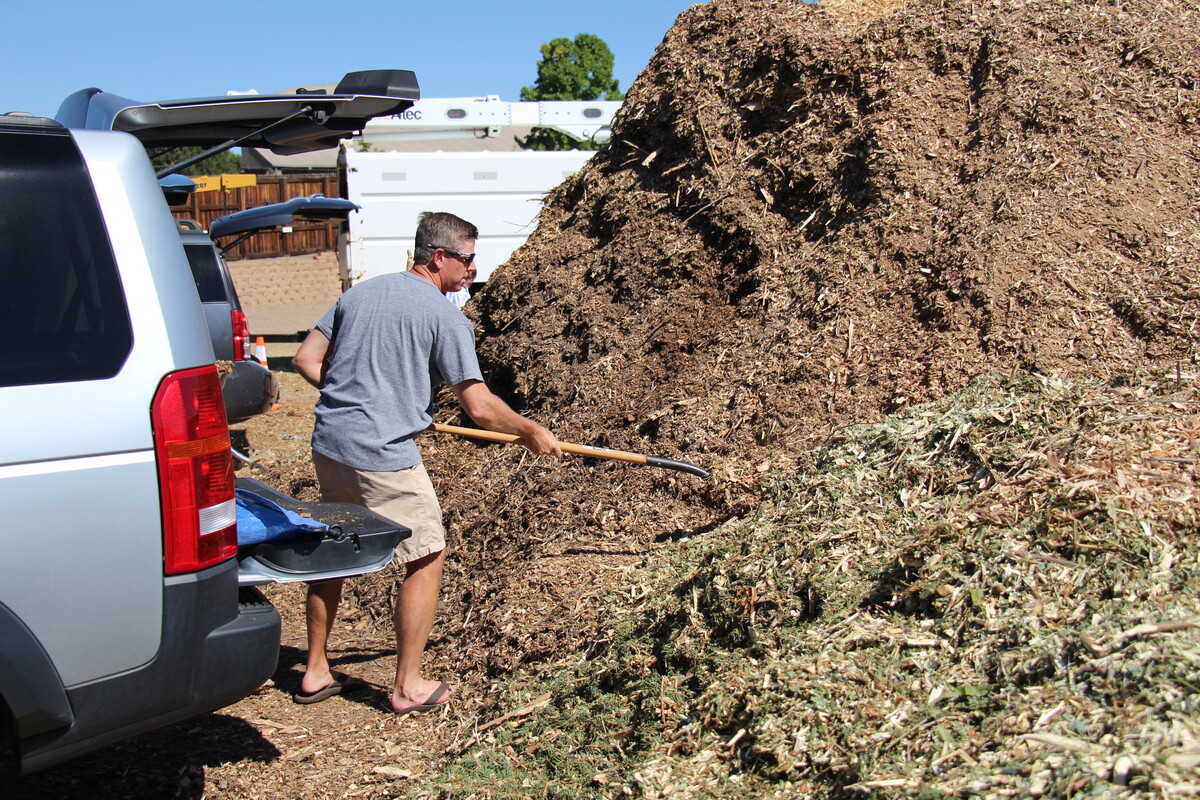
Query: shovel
[(580, 449)]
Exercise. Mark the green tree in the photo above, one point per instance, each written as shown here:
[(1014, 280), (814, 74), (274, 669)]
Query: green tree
[(226, 163), (570, 70)]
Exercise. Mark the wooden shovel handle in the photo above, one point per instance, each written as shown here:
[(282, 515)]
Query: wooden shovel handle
[(581, 450), (567, 447)]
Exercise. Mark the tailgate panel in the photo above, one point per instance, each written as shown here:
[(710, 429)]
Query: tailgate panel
[(358, 542)]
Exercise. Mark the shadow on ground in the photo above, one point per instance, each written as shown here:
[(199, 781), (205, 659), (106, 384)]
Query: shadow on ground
[(167, 763)]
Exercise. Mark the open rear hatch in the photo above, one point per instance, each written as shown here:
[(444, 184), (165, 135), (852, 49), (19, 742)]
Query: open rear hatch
[(314, 207), (298, 122), (244, 224), (357, 542)]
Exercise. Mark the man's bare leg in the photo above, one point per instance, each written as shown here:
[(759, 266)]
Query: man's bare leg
[(321, 610), (416, 606)]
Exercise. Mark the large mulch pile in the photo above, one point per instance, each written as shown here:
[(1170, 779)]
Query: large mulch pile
[(809, 216)]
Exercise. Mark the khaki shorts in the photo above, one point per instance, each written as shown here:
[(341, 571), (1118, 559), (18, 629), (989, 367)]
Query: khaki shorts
[(405, 496)]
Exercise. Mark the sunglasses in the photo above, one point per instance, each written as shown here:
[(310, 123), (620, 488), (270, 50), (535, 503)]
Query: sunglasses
[(466, 258)]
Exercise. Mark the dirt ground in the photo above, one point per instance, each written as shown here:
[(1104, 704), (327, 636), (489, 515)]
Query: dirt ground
[(808, 216)]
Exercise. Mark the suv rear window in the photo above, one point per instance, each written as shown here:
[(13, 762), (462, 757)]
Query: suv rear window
[(206, 270), (63, 315)]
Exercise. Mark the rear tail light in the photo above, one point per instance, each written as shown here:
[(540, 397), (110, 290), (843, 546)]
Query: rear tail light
[(241, 336), (195, 471)]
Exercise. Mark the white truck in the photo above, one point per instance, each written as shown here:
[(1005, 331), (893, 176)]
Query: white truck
[(500, 192)]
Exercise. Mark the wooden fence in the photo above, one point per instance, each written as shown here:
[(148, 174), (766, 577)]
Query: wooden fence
[(306, 237)]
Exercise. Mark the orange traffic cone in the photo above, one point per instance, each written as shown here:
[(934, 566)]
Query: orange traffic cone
[(260, 351)]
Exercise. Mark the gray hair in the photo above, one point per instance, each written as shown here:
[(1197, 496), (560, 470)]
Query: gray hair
[(440, 229)]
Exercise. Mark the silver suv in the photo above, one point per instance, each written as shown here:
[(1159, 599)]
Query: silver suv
[(249, 388), (126, 602)]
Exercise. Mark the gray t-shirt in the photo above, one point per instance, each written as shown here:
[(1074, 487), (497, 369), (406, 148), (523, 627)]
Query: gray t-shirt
[(393, 339)]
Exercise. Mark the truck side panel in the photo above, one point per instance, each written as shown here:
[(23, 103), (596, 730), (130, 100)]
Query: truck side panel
[(501, 193)]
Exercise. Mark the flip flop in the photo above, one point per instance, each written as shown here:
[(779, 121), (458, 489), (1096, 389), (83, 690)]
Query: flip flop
[(341, 682), (433, 701)]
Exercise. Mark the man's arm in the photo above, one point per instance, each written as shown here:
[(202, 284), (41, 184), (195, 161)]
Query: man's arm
[(492, 413), (310, 360)]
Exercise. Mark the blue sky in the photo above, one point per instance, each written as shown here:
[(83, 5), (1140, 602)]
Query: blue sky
[(154, 50)]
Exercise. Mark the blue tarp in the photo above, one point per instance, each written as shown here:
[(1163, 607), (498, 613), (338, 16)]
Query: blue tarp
[(262, 520)]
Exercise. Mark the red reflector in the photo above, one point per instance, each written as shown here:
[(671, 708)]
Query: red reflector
[(195, 471)]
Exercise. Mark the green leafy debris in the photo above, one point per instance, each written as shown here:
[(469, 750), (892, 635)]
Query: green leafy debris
[(991, 594)]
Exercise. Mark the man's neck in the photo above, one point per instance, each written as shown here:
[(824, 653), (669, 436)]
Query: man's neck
[(423, 271)]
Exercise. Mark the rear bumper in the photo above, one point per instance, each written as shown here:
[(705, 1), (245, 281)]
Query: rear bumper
[(215, 650), (249, 390)]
